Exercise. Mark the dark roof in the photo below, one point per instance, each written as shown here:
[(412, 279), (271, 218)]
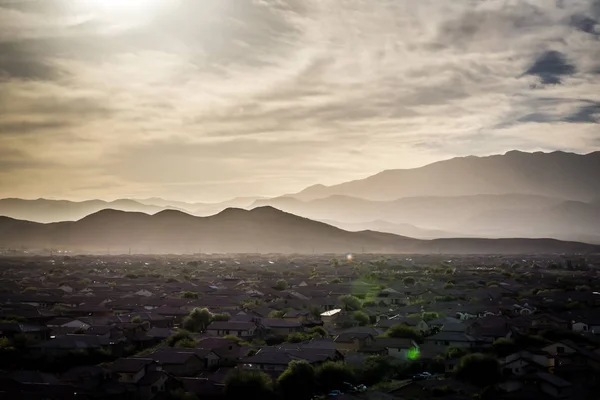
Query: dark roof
[(350, 337), (553, 380), (34, 377), (150, 377), (231, 325), (216, 343), (279, 323), (130, 365), (171, 356)]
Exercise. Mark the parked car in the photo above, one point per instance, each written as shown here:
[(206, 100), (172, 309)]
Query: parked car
[(422, 376), (335, 393)]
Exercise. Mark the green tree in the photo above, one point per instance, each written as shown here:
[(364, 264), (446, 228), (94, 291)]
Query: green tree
[(409, 281), (137, 319), (190, 295), (361, 317), (403, 331), (281, 284), (350, 303), (430, 315), (181, 335), (503, 347), (454, 352), (297, 337), (318, 331), (332, 375), (478, 369), (315, 311), (374, 370), (220, 317), (298, 381), (277, 314), (197, 320), (242, 384), (187, 343)]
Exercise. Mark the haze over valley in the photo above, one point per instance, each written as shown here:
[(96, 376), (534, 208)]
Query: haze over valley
[(516, 195)]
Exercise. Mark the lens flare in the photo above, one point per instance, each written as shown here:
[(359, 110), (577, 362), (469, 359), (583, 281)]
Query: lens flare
[(413, 354), (348, 257)]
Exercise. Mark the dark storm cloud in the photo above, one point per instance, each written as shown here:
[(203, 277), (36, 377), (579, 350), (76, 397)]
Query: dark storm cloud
[(551, 67), (586, 114), (586, 24)]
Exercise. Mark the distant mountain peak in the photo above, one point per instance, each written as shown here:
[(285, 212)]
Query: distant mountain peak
[(555, 174)]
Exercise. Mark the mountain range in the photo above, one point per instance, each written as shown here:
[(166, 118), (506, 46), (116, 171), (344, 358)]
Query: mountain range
[(562, 175), (517, 194), (263, 229)]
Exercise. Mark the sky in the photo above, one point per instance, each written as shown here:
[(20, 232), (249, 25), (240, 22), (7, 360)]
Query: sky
[(204, 100)]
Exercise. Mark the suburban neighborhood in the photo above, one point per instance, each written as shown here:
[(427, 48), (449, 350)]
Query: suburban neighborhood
[(322, 326)]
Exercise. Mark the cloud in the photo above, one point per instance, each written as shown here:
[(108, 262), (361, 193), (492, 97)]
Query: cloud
[(551, 67), (220, 98)]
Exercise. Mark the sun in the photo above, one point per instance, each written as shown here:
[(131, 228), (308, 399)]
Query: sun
[(121, 7)]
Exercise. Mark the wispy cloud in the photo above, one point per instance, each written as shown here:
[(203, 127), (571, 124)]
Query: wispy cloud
[(216, 98)]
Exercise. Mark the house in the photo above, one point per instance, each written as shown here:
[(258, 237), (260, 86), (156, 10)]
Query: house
[(234, 328), (353, 341), (296, 316), (416, 323), (280, 327), (452, 339), (140, 376), (553, 386), (276, 359), (569, 353), (34, 332), (63, 322), (330, 317), (399, 348), (179, 363), (131, 370), (228, 350), (65, 343), (527, 362)]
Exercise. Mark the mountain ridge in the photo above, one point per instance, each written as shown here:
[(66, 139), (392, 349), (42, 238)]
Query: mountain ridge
[(263, 229), (551, 174)]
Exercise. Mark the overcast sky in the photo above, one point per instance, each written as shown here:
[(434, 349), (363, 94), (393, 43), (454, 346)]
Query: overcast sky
[(204, 100)]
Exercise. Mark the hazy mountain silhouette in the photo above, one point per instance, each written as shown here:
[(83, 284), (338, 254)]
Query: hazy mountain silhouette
[(397, 229), (264, 229), (511, 215), (420, 211), (562, 175), (201, 209), (44, 210)]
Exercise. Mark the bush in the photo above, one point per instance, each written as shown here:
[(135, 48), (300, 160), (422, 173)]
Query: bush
[(318, 331), (197, 320), (241, 384), (403, 331), (281, 284), (431, 315), (479, 370), (408, 281), (350, 303), (503, 347), (332, 375), (298, 381), (361, 317)]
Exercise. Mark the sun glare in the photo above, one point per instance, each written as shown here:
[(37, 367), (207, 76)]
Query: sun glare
[(123, 9)]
